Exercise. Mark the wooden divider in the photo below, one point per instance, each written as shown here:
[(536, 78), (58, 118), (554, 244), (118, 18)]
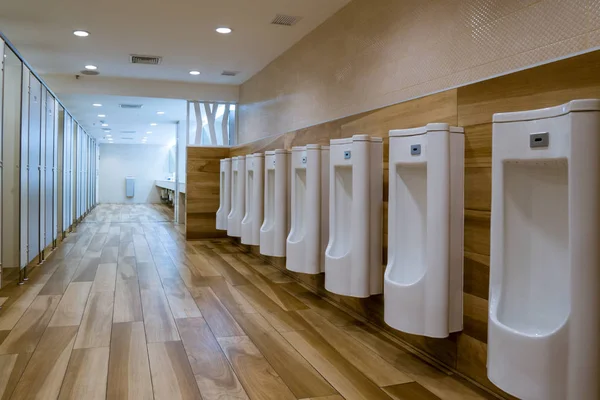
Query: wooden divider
[(471, 107), (202, 191)]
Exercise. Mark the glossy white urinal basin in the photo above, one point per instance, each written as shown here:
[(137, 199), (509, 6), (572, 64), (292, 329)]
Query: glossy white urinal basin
[(529, 312), (307, 240), (544, 305), (423, 278), (224, 194), (275, 227), (238, 190), (254, 200), (353, 255)]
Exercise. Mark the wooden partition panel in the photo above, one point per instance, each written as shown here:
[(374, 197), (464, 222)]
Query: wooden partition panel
[(202, 191), (472, 107)]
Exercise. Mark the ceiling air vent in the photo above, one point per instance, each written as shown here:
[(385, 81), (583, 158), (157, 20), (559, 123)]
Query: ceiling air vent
[(127, 138), (229, 73), (148, 60), (131, 106), (128, 132), (285, 20)]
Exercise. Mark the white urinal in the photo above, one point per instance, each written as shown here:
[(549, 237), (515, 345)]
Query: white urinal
[(309, 232), (224, 194), (275, 228), (238, 189), (424, 276), (353, 256), (544, 306), (254, 199)]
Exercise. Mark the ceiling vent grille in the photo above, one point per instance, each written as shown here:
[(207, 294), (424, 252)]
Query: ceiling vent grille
[(128, 132), (131, 106), (229, 73), (148, 60), (285, 20), (127, 138)]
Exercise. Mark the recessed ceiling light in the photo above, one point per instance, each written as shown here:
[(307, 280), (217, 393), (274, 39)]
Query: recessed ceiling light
[(81, 33), (194, 72), (108, 136), (104, 124), (101, 115), (91, 67), (153, 124), (148, 133), (223, 30), (106, 130), (160, 113), (97, 105)]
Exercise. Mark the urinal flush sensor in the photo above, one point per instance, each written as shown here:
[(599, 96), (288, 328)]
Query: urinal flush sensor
[(541, 139)]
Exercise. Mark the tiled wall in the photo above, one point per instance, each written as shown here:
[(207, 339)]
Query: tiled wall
[(374, 53)]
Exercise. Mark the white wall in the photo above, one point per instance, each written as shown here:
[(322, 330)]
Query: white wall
[(146, 163)]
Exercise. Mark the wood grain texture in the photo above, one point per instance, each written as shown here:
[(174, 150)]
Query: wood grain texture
[(86, 272), (158, 320), (172, 376), (302, 379), (105, 278), (255, 373), (72, 305), (24, 337), (410, 391), (212, 371), (342, 375), (180, 300), (10, 314), (129, 370), (202, 191), (11, 369), (86, 375), (128, 305), (97, 321), (61, 278), (438, 382), (216, 315), (370, 364), (46, 369)]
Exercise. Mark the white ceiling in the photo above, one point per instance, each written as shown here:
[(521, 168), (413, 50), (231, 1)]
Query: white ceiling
[(181, 31), (119, 119)]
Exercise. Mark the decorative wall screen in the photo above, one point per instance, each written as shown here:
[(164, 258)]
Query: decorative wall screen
[(211, 124)]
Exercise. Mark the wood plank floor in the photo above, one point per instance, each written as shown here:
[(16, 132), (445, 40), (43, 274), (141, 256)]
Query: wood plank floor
[(125, 308)]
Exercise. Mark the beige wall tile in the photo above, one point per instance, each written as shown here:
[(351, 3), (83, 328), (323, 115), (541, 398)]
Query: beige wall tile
[(374, 53)]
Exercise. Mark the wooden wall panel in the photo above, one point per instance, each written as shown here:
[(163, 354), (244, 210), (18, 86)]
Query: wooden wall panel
[(472, 107), (202, 191)]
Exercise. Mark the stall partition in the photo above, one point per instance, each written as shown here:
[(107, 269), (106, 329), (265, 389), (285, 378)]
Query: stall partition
[(47, 168)]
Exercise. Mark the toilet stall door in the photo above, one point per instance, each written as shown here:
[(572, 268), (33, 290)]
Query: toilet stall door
[(49, 170), (42, 173), (35, 129), (66, 171), (24, 170), (59, 176)]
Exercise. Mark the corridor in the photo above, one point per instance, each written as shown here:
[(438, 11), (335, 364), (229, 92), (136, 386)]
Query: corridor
[(124, 308)]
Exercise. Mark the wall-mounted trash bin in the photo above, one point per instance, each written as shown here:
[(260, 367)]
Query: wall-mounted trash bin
[(254, 199), (544, 305), (238, 191), (224, 194), (275, 227), (309, 231), (424, 276), (353, 255), (130, 186)]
